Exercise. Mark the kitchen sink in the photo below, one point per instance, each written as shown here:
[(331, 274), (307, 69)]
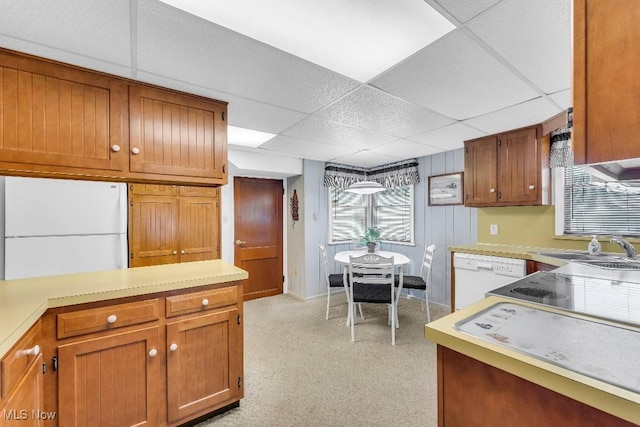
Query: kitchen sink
[(575, 256), (617, 265)]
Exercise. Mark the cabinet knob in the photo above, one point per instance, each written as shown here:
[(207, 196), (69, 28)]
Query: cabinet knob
[(33, 351), (135, 150), (112, 318), (153, 352), (175, 252), (205, 302), (115, 148), (182, 252), (492, 190), (173, 347), (532, 187)]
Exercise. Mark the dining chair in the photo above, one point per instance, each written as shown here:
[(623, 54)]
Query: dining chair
[(334, 280), (423, 280), (372, 279)]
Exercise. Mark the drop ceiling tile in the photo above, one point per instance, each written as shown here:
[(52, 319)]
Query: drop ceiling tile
[(448, 137), (367, 159), (533, 36), (403, 149), (563, 98), (370, 108), (294, 147), (181, 46), (333, 133), (457, 78), (463, 10), (520, 115), (95, 29)]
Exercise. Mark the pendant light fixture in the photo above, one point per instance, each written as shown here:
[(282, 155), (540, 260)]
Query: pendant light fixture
[(365, 186)]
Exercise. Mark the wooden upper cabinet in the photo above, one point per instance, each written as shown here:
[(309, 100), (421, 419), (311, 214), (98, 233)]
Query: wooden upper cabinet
[(480, 171), (60, 119), (199, 229), (153, 230), (174, 134), (508, 169), (606, 88)]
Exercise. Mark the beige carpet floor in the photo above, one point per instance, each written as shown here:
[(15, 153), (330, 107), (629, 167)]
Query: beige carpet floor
[(303, 370)]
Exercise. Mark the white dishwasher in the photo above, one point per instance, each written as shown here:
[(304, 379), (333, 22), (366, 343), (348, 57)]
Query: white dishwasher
[(477, 274)]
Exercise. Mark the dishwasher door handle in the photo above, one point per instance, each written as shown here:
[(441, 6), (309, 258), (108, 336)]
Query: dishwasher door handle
[(484, 266)]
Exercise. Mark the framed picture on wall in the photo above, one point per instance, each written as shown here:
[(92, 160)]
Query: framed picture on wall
[(446, 189)]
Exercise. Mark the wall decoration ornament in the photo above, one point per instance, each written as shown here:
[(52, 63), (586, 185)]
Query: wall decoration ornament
[(294, 206)]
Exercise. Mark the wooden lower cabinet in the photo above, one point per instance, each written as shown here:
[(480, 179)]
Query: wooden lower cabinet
[(472, 393), (23, 406), (110, 381), (204, 364)]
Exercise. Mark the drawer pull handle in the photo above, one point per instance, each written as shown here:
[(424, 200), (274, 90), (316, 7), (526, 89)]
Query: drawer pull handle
[(205, 302), (33, 351), (112, 318), (173, 347), (153, 352)]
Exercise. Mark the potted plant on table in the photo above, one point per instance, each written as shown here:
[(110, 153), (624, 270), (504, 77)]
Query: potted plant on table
[(370, 238)]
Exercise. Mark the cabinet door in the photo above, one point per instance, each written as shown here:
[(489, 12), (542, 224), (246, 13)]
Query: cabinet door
[(480, 169), (176, 134), (606, 87), (59, 118), (199, 229), (153, 231), (110, 381), (518, 169), (204, 363), (152, 189), (24, 405)]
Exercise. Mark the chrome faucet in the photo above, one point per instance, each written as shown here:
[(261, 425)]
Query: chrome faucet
[(627, 247)]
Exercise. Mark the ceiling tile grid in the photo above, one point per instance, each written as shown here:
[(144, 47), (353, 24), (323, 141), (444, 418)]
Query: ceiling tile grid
[(448, 137)]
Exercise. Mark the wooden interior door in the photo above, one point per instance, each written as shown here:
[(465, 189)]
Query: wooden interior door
[(258, 234), (153, 234), (110, 381), (199, 229)]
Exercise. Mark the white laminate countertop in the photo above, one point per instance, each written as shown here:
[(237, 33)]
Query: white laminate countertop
[(24, 301), (607, 397)]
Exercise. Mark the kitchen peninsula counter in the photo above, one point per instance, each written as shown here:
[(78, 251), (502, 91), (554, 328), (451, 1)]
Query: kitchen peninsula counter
[(24, 301), (537, 373)]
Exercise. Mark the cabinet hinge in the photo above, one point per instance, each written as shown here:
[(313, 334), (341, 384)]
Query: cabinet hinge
[(131, 203), (239, 382), (499, 195), (238, 319), (499, 143), (54, 363), (131, 256), (224, 168), (44, 368), (223, 116)]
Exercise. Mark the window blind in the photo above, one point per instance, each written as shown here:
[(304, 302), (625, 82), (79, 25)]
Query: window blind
[(393, 214), (595, 207), (348, 215)]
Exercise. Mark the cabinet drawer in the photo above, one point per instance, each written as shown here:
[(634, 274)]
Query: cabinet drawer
[(107, 318), (201, 301), (18, 360)]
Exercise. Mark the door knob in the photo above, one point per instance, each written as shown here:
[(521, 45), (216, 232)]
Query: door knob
[(240, 242)]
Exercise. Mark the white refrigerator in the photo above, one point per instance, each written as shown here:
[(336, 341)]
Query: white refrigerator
[(56, 226)]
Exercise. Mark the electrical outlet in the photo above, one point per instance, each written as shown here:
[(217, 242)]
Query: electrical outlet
[(493, 229)]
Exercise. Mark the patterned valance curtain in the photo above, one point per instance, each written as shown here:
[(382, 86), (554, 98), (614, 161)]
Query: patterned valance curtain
[(392, 175), (561, 153)]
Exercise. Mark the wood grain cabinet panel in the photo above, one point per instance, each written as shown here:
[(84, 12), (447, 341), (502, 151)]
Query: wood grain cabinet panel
[(507, 169), (606, 88), (61, 119), (176, 134), (167, 229), (204, 363), (110, 381), (24, 406), (20, 358)]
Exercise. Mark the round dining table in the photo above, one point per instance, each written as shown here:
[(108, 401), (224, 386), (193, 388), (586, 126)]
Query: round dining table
[(399, 260)]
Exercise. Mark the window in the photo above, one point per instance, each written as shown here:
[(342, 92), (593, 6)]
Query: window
[(595, 206), (391, 211)]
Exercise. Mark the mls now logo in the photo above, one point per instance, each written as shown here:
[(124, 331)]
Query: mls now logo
[(23, 414)]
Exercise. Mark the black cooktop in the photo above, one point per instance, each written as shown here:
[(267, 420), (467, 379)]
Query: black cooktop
[(609, 299)]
